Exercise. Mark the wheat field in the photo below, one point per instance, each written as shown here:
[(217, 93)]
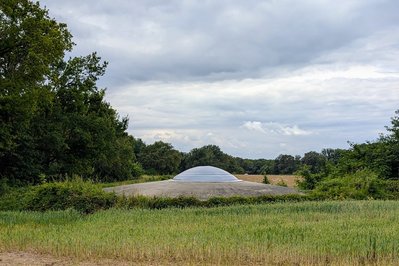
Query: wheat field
[(306, 233)]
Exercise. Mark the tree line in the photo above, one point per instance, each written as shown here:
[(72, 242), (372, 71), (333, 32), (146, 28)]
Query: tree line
[(162, 158)]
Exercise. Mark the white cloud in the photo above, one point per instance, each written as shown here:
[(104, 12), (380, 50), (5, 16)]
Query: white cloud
[(276, 128), (254, 125)]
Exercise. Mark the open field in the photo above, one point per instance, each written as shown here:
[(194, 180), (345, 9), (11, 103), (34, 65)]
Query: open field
[(290, 180), (336, 233)]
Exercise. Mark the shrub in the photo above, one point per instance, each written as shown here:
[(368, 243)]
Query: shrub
[(363, 184), (391, 188), (13, 199), (265, 180), (184, 202), (309, 180), (4, 188), (282, 183), (82, 196)]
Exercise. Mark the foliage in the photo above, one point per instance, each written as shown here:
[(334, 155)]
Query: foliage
[(13, 199), (286, 164), (54, 119), (256, 166), (363, 184), (344, 169), (309, 180), (81, 196), (282, 183), (210, 155), (315, 161), (183, 202), (160, 158), (332, 155), (265, 180), (30, 43)]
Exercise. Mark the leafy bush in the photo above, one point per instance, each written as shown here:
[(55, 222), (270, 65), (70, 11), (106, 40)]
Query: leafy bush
[(391, 188), (184, 202), (82, 196), (265, 180), (363, 184), (282, 183), (4, 188), (13, 199), (309, 180)]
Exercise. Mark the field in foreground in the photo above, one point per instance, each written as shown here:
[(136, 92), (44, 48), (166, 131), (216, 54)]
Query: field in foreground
[(348, 232)]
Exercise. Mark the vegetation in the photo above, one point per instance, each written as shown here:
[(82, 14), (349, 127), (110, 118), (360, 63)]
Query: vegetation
[(265, 180), (210, 155), (87, 197), (55, 124), (159, 158), (306, 233), (282, 183), (365, 170), (54, 119)]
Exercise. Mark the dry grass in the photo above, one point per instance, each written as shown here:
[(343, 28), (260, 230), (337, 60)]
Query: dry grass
[(290, 180)]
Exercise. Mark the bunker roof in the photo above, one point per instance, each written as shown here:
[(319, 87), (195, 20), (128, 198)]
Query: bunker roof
[(205, 174)]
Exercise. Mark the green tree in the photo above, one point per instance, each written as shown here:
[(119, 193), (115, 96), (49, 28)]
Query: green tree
[(54, 119), (315, 161), (332, 155), (30, 44), (286, 164), (160, 158), (213, 156)]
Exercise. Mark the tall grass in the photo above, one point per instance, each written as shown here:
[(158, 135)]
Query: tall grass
[(347, 232)]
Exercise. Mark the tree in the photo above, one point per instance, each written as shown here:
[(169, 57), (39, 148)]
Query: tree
[(54, 119), (213, 156), (30, 44), (160, 158), (286, 164), (315, 161), (392, 147), (332, 155)]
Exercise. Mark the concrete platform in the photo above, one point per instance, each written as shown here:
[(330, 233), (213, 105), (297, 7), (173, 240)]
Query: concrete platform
[(200, 190)]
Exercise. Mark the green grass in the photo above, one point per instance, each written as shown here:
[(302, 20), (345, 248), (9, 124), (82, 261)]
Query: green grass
[(340, 232)]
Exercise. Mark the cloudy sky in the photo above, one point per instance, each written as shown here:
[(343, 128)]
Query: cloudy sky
[(257, 78)]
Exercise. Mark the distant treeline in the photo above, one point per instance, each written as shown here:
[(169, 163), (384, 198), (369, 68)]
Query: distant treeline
[(162, 158), (55, 123)]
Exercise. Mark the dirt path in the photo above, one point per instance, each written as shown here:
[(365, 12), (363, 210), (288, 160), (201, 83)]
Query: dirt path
[(29, 258), (24, 258)]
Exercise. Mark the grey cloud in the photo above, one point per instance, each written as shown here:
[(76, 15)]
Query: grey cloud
[(183, 40), (194, 72)]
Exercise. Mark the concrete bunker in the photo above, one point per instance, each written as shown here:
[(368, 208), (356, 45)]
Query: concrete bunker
[(202, 182)]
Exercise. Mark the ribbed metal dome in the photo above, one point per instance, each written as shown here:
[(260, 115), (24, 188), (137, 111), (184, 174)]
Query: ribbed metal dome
[(205, 174)]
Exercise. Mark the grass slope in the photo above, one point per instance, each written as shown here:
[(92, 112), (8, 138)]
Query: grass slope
[(348, 232)]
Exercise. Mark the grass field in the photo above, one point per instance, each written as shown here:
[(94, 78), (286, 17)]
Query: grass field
[(290, 180), (336, 233)]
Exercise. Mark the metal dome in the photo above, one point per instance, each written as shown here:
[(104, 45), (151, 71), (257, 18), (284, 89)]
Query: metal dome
[(205, 174)]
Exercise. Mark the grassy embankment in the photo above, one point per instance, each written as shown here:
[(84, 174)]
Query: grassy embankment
[(347, 232)]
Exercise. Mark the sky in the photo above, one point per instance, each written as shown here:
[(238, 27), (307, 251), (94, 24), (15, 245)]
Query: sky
[(257, 78)]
